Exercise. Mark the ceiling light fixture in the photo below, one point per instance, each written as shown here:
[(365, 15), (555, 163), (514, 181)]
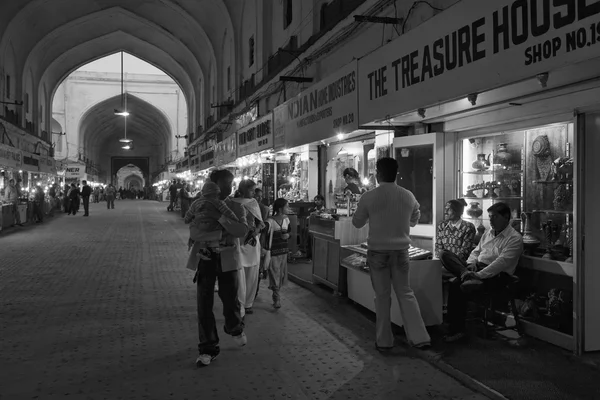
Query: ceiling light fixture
[(123, 111)]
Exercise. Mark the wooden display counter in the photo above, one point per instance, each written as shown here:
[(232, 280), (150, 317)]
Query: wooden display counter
[(425, 280), (328, 236)]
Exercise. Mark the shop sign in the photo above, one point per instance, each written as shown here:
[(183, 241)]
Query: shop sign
[(75, 171), (256, 137), (325, 109), (10, 157), (47, 165), (207, 159), (226, 150), (31, 162), (474, 46)]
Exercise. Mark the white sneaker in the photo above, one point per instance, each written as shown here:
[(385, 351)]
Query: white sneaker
[(204, 360), (241, 339)]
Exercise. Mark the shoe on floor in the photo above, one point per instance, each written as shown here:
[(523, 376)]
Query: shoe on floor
[(423, 346), (384, 350), (277, 303), (204, 360), (241, 339), (454, 337), (249, 311)]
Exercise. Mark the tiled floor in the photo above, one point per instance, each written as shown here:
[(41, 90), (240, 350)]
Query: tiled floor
[(103, 308)]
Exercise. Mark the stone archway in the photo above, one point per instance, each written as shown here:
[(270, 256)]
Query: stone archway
[(133, 182), (118, 163)]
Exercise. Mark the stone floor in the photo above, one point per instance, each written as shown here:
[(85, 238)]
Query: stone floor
[(103, 308)]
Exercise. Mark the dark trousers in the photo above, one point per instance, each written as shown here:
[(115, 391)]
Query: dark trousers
[(208, 272), (74, 206), (457, 299), (86, 205), (110, 202), (38, 208)]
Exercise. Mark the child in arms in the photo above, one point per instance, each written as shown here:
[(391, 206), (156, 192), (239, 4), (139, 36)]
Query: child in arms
[(205, 228)]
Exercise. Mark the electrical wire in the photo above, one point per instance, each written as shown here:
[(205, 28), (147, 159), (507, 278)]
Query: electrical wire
[(410, 10)]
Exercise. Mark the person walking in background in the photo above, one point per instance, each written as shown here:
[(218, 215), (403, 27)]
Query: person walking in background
[(277, 244), (186, 198), (73, 199), (66, 199), (86, 192), (172, 196), (52, 194), (250, 249), (110, 194), (96, 194), (391, 211), (12, 195), (38, 204)]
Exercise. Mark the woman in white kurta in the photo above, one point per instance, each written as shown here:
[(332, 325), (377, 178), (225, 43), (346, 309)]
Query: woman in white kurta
[(250, 249)]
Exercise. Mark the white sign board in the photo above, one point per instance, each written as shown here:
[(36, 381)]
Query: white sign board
[(322, 111), (10, 157), (47, 165), (75, 171), (255, 137), (476, 45)]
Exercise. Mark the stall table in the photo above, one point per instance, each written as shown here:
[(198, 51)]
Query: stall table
[(327, 236), (425, 280)]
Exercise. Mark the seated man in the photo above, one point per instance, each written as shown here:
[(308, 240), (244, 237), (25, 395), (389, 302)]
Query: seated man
[(495, 257), (453, 233)]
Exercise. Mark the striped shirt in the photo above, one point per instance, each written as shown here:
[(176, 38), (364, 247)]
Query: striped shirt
[(390, 211)]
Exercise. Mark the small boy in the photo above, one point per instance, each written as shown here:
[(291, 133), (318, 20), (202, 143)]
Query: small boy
[(205, 228)]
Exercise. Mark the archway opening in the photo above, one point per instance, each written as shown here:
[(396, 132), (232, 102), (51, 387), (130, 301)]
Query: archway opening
[(85, 103)]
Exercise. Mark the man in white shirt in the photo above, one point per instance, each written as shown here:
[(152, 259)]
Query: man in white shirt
[(390, 211), (488, 267)]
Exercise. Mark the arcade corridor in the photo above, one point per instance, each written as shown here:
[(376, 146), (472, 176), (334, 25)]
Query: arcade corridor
[(103, 308)]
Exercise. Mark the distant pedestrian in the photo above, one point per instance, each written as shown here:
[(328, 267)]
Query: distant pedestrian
[(12, 195), (86, 192), (38, 204), (96, 194), (66, 199), (110, 194), (74, 199), (390, 211)]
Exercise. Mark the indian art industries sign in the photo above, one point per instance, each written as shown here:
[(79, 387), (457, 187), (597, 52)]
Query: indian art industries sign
[(10, 157), (322, 111), (255, 137), (476, 45)]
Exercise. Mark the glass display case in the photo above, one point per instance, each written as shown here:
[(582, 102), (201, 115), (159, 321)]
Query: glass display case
[(532, 172)]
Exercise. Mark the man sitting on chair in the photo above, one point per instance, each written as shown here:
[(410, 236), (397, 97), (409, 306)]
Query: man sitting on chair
[(488, 267)]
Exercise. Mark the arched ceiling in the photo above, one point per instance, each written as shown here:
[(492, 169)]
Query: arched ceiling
[(181, 37), (145, 121)]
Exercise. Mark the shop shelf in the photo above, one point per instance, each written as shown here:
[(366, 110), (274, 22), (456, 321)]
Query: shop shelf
[(494, 198), (493, 172), (549, 266), (552, 212), (553, 182)]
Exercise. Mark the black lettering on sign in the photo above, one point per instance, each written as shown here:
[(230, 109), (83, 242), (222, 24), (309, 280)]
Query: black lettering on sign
[(377, 83)]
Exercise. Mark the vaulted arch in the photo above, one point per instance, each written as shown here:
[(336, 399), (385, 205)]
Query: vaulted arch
[(185, 34)]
